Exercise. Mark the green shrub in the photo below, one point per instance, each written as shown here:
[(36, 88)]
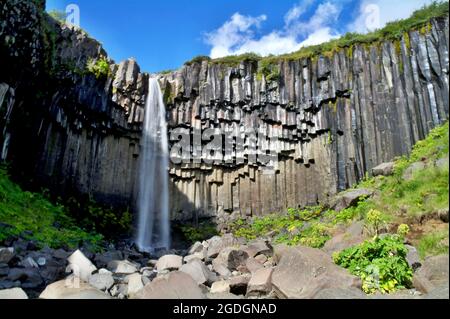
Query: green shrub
[(433, 244), (59, 16), (100, 67), (198, 59), (202, 231), (380, 263)]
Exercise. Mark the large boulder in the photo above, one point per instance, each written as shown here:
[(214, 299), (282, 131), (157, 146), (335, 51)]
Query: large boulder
[(413, 169), (440, 292), (29, 277), (169, 262), (384, 169), (217, 244), (101, 281), (6, 254), (260, 283), (72, 288), (435, 269), (258, 247), (349, 198), (135, 284), (302, 272), (14, 293), (103, 259), (175, 285), (124, 267), (199, 272), (81, 266), (230, 258)]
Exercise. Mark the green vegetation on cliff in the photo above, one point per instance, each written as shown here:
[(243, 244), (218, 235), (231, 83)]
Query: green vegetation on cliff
[(393, 31), (32, 216)]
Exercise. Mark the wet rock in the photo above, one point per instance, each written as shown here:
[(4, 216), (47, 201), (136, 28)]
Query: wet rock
[(6, 254), (176, 285)]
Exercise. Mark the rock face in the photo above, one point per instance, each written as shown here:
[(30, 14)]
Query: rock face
[(331, 118), (302, 272)]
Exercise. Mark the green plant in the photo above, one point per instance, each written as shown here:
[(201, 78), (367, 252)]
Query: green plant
[(403, 230), (59, 16), (433, 244), (375, 220), (198, 59), (380, 263), (99, 67), (202, 231)]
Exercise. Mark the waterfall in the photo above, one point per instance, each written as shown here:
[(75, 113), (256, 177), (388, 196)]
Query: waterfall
[(153, 231)]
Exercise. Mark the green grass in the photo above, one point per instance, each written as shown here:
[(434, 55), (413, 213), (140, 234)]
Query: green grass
[(433, 244), (393, 31), (33, 217)]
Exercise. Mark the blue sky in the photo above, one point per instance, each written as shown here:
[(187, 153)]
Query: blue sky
[(164, 34)]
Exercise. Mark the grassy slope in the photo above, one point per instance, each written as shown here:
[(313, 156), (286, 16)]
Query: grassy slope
[(400, 201), (32, 216), (393, 31)]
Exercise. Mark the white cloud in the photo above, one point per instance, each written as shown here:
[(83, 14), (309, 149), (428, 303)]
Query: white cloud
[(374, 14), (237, 35)]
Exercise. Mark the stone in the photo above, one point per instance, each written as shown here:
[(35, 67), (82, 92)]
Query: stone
[(8, 284), (199, 272), (443, 215), (217, 244), (442, 163), (102, 260), (199, 256), (223, 296), (384, 169), (29, 263), (122, 267), (340, 293), (261, 259), (135, 284), (302, 272), (231, 258), (41, 261), (413, 258), (72, 289), (260, 283), (196, 248), (175, 285), (6, 254), (238, 284), (435, 269), (102, 281), (349, 198), (256, 248), (13, 293), (4, 270), (409, 173), (440, 292), (169, 262), (29, 277), (341, 242), (253, 265), (421, 283), (81, 266), (220, 287)]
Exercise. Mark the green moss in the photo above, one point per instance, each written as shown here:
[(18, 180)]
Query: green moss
[(200, 232), (32, 216), (198, 59)]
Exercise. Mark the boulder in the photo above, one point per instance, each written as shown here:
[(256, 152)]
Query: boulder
[(169, 262), (176, 285), (231, 258), (422, 284), (261, 259), (6, 254), (81, 266), (258, 247), (199, 272), (29, 277), (72, 289), (260, 283), (409, 173), (239, 284), (302, 272), (217, 244), (440, 292), (435, 270), (252, 265), (223, 296), (220, 287), (349, 198), (384, 169), (102, 281), (102, 260), (413, 258), (135, 284), (199, 256), (442, 163), (340, 293), (124, 267), (341, 242), (13, 293), (196, 248)]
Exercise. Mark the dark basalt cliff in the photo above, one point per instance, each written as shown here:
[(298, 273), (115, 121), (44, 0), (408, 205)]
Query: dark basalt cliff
[(332, 118)]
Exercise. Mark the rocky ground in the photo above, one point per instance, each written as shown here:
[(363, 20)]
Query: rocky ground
[(219, 268)]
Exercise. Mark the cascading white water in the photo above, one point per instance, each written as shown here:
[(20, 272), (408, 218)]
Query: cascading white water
[(153, 199)]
